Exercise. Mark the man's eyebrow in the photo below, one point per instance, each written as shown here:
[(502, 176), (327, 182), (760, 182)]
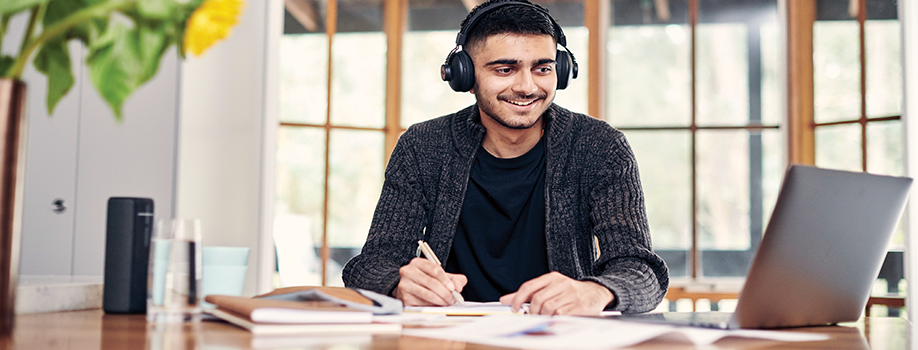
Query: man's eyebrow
[(502, 61), (516, 62)]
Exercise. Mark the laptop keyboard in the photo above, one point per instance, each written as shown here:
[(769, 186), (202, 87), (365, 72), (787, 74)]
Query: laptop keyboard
[(718, 320)]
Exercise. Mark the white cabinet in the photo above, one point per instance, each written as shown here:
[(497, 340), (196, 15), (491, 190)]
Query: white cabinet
[(51, 166), (82, 156)]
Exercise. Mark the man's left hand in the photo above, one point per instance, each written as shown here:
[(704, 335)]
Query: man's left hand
[(556, 294)]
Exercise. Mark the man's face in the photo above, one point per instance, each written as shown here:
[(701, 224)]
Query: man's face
[(515, 78)]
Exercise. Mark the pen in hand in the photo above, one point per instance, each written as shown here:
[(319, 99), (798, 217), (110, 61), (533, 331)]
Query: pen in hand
[(429, 254)]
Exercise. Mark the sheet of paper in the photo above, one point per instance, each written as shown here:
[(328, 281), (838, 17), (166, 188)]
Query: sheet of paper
[(540, 332), (409, 317), (470, 308), (486, 327), (705, 336)]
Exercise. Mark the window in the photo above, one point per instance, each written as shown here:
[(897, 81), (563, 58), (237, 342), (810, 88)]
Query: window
[(694, 87), (331, 140), (335, 135), (857, 98), (431, 34), (702, 89)]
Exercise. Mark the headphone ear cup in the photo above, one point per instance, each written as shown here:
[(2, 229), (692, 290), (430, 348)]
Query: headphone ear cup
[(563, 69), (462, 72)]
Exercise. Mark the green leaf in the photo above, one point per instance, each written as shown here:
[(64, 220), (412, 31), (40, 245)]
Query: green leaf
[(58, 10), (54, 61), (13, 6), (6, 62), (158, 9), (153, 45), (122, 59)]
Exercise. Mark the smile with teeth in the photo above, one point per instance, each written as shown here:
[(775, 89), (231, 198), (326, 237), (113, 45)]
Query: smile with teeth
[(522, 103)]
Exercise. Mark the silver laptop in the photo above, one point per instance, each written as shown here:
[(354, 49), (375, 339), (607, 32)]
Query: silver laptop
[(820, 255)]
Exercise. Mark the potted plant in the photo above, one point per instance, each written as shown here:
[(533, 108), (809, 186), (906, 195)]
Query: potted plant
[(125, 40)]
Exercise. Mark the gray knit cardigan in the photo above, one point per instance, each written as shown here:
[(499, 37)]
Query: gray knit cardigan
[(592, 189)]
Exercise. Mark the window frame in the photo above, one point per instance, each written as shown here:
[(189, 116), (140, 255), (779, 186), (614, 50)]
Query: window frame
[(796, 17)]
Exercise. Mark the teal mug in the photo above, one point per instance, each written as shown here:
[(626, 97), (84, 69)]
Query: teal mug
[(224, 271)]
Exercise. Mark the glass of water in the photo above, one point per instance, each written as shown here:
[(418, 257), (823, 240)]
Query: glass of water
[(174, 275)]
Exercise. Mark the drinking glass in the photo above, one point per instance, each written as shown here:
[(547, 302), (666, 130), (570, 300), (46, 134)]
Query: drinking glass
[(174, 277)]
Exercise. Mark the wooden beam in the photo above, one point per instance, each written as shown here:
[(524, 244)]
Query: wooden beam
[(862, 47), (596, 17), (801, 143), (331, 25), (395, 24)]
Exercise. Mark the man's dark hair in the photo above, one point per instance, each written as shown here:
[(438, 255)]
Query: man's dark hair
[(521, 19)]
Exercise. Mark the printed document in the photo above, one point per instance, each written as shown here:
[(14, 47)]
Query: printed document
[(566, 332)]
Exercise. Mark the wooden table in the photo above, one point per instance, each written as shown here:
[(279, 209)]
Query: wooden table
[(92, 329)]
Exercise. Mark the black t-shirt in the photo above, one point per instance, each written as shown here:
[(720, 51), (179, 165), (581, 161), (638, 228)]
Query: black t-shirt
[(500, 239)]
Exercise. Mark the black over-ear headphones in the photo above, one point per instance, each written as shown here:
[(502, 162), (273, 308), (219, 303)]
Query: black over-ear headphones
[(459, 70)]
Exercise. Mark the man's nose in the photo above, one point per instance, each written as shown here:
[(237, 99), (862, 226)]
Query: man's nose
[(525, 83)]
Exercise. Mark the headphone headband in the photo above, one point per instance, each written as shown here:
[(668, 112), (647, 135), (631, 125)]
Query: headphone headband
[(459, 70), (463, 32)]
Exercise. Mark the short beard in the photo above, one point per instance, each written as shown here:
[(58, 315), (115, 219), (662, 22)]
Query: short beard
[(488, 109)]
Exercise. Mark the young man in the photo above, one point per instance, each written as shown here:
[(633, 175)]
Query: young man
[(522, 200)]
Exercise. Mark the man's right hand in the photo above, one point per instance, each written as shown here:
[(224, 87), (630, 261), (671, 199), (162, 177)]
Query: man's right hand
[(424, 283)]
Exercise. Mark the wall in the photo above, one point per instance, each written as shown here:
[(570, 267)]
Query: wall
[(214, 163), (226, 140), (83, 156)]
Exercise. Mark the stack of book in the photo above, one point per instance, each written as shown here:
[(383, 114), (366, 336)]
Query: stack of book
[(301, 311)]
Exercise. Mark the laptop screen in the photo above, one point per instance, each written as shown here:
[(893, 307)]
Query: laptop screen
[(822, 249)]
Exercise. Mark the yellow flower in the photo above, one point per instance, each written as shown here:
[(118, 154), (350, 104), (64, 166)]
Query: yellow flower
[(209, 23)]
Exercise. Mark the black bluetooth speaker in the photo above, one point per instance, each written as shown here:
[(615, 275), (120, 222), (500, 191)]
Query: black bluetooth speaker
[(127, 247)]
